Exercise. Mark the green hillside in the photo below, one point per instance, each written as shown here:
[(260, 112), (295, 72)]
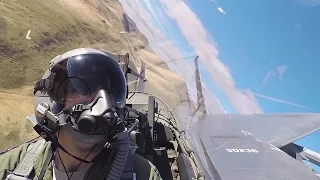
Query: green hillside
[(55, 27)]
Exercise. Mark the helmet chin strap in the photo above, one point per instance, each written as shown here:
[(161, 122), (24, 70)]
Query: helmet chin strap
[(75, 157)]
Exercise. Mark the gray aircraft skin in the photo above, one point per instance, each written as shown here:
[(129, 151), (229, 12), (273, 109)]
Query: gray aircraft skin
[(247, 146)]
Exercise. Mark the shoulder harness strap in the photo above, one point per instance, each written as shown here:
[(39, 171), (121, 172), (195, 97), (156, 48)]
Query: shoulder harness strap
[(128, 173), (25, 167)]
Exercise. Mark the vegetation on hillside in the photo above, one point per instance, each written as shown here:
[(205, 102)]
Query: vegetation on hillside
[(55, 27)]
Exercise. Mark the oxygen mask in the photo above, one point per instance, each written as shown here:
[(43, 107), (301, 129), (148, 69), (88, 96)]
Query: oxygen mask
[(89, 108)]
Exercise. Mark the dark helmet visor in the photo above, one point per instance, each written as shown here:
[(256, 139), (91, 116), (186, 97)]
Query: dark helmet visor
[(79, 78)]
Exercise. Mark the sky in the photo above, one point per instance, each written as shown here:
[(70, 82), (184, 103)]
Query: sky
[(256, 56)]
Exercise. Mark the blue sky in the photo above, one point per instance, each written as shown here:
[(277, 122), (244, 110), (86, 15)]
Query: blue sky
[(254, 38)]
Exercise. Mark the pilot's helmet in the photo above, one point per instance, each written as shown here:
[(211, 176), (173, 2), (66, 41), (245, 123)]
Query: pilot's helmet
[(76, 77)]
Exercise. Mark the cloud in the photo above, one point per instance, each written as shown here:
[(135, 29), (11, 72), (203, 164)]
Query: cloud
[(197, 36), (212, 106), (149, 6), (167, 49), (157, 14), (199, 39), (279, 71), (250, 93)]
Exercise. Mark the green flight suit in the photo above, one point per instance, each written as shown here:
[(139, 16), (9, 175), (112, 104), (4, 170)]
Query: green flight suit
[(143, 168)]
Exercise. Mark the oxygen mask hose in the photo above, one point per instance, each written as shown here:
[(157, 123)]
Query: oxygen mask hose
[(119, 162)]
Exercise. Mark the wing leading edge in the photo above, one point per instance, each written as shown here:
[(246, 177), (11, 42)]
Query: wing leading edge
[(277, 129)]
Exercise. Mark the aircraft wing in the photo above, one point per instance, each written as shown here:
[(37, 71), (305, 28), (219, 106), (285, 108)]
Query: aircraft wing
[(278, 129), (246, 146)]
